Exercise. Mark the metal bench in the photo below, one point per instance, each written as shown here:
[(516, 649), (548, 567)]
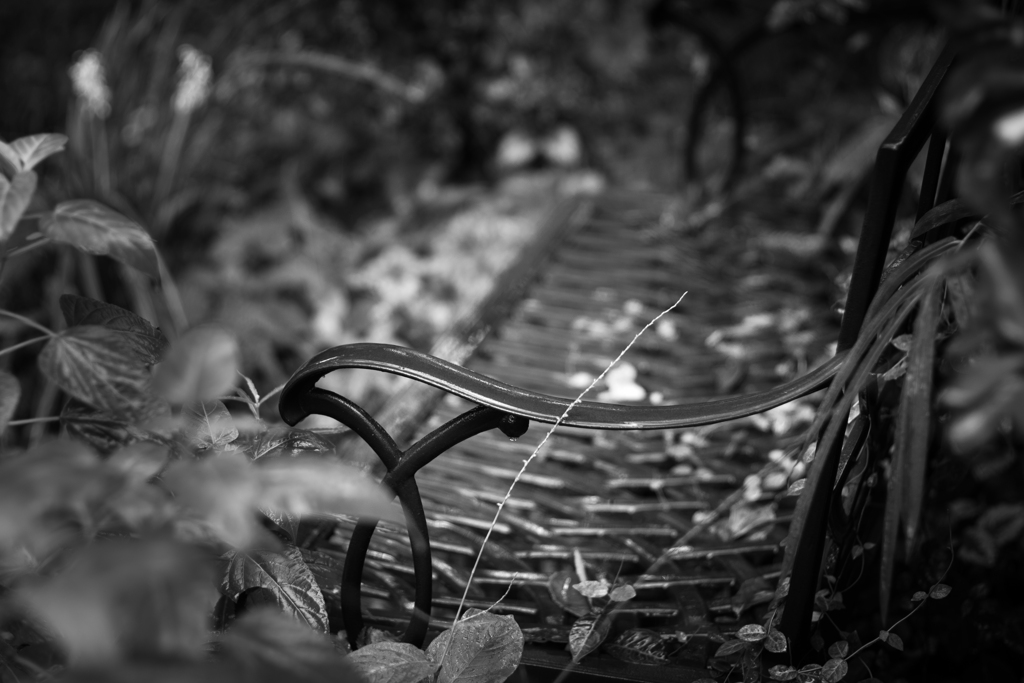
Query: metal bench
[(575, 511)]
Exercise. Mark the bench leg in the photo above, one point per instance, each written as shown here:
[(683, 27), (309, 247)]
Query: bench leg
[(402, 468)]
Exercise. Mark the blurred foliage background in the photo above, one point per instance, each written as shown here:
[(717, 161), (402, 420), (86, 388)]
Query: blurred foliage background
[(318, 172)]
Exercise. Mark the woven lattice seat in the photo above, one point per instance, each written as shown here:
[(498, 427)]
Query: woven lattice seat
[(621, 500)]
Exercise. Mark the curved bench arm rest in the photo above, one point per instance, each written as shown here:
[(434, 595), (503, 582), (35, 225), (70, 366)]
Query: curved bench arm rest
[(542, 408)]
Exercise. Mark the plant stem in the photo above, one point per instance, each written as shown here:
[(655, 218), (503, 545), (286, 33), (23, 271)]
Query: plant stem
[(28, 247), (169, 159), (17, 346), (28, 321), (33, 420)]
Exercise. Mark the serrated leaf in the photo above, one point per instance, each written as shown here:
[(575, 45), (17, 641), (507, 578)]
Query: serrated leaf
[(103, 604), (15, 196), (314, 486), (202, 365), (776, 641), (939, 591), (622, 593), (95, 229), (587, 634), (560, 586), (32, 149), (640, 646), (147, 341), (107, 431), (391, 663), (327, 569), (834, 670), (918, 596), (752, 633), (780, 672), (914, 418), (285, 575), (208, 426), (10, 394), (838, 649), (592, 589), (267, 645), (96, 366), (287, 523), (730, 648), (485, 648)]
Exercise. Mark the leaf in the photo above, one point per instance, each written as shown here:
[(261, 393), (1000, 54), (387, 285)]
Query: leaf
[(200, 366), (918, 596), (96, 366), (730, 647), (839, 649), (587, 634), (327, 569), (904, 342), (391, 663), (960, 289), (914, 417), (560, 585), (287, 523), (140, 461), (285, 575), (10, 394), (776, 641), (9, 158), (103, 604), (640, 646), (834, 670), (939, 591), (622, 593), (95, 229), (891, 639), (314, 486), (270, 646), (15, 196), (42, 488), (208, 426), (147, 341), (592, 589), (485, 648), (107, 431), (780, 672), (32, 149), (219, 493), (752, 633)]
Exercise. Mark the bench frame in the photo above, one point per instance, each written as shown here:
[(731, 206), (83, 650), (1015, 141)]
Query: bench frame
[(510, 409)]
